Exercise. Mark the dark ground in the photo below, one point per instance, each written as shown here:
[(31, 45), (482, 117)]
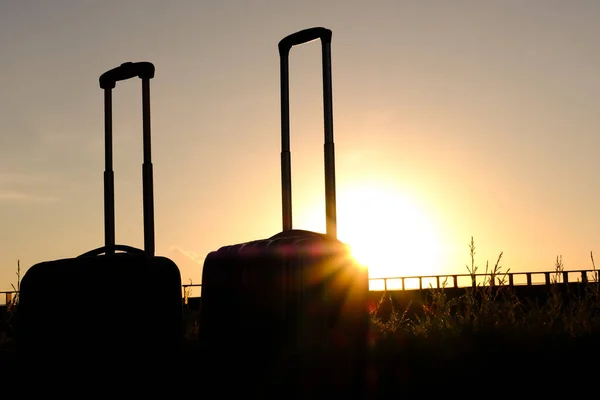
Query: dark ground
[(489, 364)]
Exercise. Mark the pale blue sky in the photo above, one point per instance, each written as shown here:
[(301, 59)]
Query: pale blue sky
[(482, 116)]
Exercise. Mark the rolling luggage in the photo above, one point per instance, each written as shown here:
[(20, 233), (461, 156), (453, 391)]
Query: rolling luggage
[(287, 315), (113, 308)]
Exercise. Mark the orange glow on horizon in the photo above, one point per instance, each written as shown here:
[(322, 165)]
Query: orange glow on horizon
[(386, 229)]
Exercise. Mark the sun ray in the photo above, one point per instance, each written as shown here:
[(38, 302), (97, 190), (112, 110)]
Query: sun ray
[(387, 230)]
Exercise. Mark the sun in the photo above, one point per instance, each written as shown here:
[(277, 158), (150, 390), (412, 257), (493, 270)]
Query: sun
[(386, 229)]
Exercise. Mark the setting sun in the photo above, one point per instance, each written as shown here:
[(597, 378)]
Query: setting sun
[(386, 228)]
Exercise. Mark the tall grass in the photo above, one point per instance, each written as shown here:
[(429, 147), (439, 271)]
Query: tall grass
[(7, 328), (488, 338), (493, 307)]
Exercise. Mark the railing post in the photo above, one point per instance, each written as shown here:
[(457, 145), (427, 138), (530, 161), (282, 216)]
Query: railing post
[(403, 284), (385, 284), (455, 278), (584, 279), (565, 277), (528, 278), (420, 283), (473, 281), (437, 281), (547, 275), (511, 281)]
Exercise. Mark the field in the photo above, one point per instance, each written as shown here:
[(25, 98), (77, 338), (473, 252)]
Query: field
[(485, 342)]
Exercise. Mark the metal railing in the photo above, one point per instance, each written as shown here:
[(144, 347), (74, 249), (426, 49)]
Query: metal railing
[(9, 296), (187, 291), (489, 279), (440, 281)]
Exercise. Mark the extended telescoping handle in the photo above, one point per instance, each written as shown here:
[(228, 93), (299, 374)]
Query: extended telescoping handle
[(304, 36), (145, 71)]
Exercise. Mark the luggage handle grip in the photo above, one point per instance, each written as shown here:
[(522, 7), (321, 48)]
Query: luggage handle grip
[(128, 70), (121, 247), (303, 36)]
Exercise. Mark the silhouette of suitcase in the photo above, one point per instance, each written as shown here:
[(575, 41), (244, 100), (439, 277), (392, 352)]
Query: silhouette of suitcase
[(291, 310), (113, 308)]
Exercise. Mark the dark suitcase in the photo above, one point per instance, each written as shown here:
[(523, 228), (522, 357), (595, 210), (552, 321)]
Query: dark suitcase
[(287, 316), (114, 308)]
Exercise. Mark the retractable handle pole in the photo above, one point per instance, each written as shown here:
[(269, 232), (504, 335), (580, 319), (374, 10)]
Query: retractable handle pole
[(144, 71), (285, 45)]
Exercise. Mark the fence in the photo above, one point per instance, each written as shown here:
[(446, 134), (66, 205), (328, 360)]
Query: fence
[(473, 280), (187, 290), (9, 296), (432, 281)]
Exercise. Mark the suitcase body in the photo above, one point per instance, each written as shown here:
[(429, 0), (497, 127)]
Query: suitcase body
[(291, 310), (287, 315), (96, 316), (94, 309)]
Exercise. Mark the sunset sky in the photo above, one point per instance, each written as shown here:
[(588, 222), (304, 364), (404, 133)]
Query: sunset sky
[(452, 119)]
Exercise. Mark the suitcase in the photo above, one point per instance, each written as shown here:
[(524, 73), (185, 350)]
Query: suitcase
[(289, 313), (113, 308)]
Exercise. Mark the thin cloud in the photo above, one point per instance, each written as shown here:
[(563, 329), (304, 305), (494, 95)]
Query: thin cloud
[(195, 257)]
